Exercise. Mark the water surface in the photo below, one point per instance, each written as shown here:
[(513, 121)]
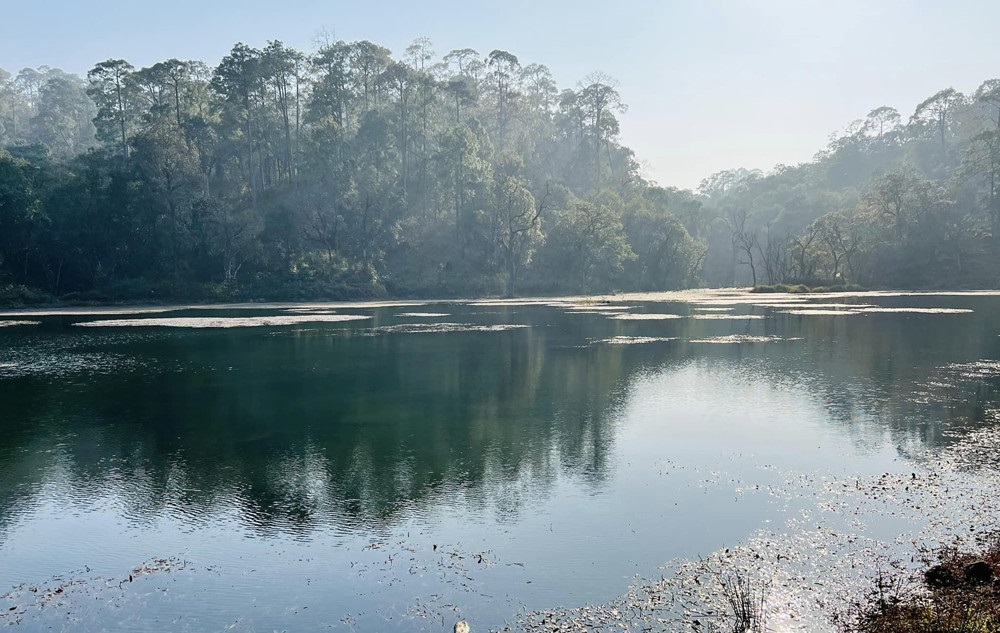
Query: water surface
[(398, 466)]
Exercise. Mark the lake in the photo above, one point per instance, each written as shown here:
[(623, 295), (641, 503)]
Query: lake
[(399, 466)]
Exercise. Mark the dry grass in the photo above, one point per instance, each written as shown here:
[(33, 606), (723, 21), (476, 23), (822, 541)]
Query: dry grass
[(959, 592)]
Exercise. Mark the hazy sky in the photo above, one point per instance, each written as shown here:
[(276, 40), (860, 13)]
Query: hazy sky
[(711, 84)]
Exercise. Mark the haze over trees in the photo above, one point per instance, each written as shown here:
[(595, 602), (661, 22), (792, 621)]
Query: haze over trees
[(349, 171), (893, 201)]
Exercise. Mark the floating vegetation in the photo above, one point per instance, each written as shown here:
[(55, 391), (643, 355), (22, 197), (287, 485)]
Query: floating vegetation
[(18, 323), (225, 322), (429, 315), (811, 574), (744, 338), (597, 312), (842, 306), (577, 307), (646, 317), (340, 305), (727, 317), (848, 309), (64, 597), (634, 340), (752, 300), (519, 302), (919, 310), (90, 311), (437, 328), (819, 312)]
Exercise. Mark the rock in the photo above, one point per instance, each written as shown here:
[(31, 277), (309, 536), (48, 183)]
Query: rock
[(978, 573), (939, 577), (462, 627)]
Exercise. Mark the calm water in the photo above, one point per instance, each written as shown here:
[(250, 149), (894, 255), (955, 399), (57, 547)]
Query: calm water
[(436, 461)]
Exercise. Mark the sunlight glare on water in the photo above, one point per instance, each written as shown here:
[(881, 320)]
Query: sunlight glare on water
[(532, 456)]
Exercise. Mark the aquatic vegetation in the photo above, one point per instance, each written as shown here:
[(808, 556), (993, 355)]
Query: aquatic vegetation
[(819, 312), (642, 316), (439, 328), (635, 340), (225, 322), (728, 317), (744, 338)]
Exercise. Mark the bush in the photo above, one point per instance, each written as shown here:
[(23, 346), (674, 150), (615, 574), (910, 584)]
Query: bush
[(958, 593), (18, 295), (797, 288), (803, 289)]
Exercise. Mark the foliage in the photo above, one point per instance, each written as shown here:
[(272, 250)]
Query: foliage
[(345, 172), (957, 594), (348, 172), (885, 204)]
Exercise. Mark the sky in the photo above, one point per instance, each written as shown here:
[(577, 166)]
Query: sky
[(710, 84)]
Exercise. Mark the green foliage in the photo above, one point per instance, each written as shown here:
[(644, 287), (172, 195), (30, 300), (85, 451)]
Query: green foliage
[(17, 295), (886, 204), (348, 172)]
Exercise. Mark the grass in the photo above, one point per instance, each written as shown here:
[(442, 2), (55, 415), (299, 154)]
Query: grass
[(746, 601), (959, 592)]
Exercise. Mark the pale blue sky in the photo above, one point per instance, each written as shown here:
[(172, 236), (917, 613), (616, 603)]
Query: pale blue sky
[(711, 84)]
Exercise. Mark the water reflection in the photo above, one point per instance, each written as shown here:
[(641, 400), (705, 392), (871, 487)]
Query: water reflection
[(360, 426), (306, 429)]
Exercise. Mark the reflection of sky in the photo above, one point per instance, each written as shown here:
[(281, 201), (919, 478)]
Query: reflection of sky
[(665, 449)]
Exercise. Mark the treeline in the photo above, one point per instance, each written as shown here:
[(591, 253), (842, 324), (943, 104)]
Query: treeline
[(894, 201), (341, 173), (348, 172)]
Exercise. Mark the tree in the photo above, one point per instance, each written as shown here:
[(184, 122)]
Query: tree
[(281, 68), (466, 61), (63, 117), (599, 99), (515, 223), (540, 87), (744, 241), (419, 52), (113, 89), (882, 120), (988, 94), (588, 238), (237, 80), (368, 62), (504, 67), (172, 186), (332, 90), (982, 160), (833, 231), (936, 110), (19, 214)]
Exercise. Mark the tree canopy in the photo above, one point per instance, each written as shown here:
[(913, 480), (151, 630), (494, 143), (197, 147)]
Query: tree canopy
[(350, 172)]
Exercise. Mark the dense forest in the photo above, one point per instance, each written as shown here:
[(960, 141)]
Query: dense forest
[(349, 172)]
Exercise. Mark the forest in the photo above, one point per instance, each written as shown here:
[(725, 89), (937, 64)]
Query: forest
[(349, 172)]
